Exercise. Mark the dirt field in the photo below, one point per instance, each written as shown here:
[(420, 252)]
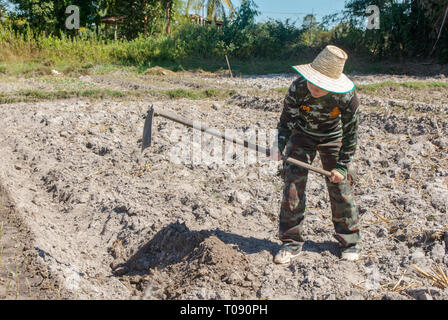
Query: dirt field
[(85, 215)]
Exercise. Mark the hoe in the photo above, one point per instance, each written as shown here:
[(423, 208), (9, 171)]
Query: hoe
[(147, 137)]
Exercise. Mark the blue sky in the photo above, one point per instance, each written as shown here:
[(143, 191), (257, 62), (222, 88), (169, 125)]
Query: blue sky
[(295, 9)]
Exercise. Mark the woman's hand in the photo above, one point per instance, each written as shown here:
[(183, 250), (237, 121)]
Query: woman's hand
[(336, 176)]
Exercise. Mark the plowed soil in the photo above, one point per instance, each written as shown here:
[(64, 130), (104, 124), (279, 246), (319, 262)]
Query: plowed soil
[(86, 215)]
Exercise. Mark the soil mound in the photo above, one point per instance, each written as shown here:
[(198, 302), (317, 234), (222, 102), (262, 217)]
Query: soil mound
[(157, 71), (172, 244), (185, 264), (218, 261)]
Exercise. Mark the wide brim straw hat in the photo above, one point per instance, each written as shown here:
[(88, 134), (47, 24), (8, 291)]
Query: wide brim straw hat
[(326, 71)]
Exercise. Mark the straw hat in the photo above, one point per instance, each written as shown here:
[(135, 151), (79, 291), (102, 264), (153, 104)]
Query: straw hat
[(326, 71)]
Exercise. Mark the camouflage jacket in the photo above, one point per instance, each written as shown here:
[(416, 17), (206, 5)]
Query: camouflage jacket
[(329, 116)]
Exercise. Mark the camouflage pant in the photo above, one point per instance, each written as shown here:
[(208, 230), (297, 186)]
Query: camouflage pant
[(344, 212)]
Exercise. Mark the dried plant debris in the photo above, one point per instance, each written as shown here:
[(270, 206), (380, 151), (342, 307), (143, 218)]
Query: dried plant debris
[(438, 276)]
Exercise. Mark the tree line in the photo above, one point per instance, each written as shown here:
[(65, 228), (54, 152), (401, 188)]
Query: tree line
[(409, 29)]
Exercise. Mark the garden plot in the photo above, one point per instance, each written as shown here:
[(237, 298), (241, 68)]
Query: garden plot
[(112, 223)]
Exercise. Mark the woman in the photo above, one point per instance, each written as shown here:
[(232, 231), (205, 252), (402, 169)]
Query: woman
[(320, 114)]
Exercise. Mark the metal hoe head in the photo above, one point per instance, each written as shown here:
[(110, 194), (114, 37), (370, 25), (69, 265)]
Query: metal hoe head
[(147, 129)]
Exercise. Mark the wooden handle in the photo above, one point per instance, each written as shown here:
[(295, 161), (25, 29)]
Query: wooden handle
[(307, 166), (200, 126)]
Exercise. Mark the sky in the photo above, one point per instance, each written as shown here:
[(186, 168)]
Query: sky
[(295, 9)]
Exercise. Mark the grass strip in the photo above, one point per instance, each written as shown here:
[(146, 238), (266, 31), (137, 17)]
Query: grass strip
[(173, 94), (373, 87)]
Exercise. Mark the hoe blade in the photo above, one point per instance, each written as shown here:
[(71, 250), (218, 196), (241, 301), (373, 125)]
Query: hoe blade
[(147, 129)]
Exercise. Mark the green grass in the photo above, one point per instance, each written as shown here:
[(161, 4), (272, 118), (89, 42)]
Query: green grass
[(282, 91), (25, 69), (195, 94), (239, 67), (254, 67), (185, 49), (181, 93), (43, 95), (174, 94), (374, 87), (409, 84), (41, 66)]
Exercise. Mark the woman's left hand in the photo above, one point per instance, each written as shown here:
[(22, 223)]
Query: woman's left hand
[(336, 176)]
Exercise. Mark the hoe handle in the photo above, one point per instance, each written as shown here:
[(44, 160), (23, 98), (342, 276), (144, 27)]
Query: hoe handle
[(200, 126), (307, 166)]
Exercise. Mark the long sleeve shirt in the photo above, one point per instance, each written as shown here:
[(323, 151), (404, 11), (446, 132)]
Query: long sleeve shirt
[(328, 116)]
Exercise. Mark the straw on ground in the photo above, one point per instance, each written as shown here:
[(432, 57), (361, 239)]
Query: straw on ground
[(438, 276)]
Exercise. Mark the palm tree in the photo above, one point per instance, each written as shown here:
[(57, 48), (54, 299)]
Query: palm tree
[(309, 24), (168, 6), (442, 13), (215, 8)]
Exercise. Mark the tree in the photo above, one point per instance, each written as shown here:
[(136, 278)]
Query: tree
[(2, 6), (172, 12), (215, 8), (436, 11), (309, 24), (40, 14), (50, 16), (441, 28), (196, 5), (412, 28), (106, 8), (140, 16), (3, 10), (168, 6)]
